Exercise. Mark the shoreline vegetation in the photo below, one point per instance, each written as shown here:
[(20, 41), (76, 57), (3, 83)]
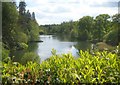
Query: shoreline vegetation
[(20, 65), (37, 41)]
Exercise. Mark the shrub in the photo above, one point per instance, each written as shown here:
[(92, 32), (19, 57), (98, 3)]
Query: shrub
[(30, 56), (5, 54), (102, 67)]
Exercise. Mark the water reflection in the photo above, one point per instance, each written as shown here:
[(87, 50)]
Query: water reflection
[(50, 42), (83, 45), (60, 44)]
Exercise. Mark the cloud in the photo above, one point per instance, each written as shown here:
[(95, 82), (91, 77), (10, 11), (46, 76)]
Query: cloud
[(57, 11), (106, 4)]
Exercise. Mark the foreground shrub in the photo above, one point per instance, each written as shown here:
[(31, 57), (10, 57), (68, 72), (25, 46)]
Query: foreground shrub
[(102, 67)]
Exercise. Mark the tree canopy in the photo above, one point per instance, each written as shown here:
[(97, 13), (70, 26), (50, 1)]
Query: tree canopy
[(102, 28), (19, 27)]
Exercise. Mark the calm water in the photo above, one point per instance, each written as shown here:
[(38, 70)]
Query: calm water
[(50, 42)]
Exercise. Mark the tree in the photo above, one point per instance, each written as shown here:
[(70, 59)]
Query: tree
[(85, 27), (28, 23), (9, 25), (18, 27), (33, 16), (34, 30), (113, 36), (28, 15), (102, 26), (22, 6)]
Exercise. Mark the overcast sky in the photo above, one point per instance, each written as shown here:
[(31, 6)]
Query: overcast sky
[(57, 11)]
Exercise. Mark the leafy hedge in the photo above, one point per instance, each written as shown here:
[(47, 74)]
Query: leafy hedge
[(102, 67)]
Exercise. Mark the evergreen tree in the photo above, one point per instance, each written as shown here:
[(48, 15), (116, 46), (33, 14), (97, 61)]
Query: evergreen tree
[(22, 6), (28, 14), (33, 16)]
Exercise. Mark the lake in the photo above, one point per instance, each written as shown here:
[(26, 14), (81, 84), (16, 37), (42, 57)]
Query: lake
[(61, 46)]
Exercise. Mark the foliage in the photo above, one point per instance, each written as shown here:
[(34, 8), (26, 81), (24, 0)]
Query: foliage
[(22, 6), (30, 56), (9, 24), (19, 27), (112, 37), (22, 37), (102, 67), (86, 27), (34, 32), (5, 55), (100, 28)]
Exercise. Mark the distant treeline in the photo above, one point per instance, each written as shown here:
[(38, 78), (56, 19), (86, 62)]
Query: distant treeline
[(100, 28)]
